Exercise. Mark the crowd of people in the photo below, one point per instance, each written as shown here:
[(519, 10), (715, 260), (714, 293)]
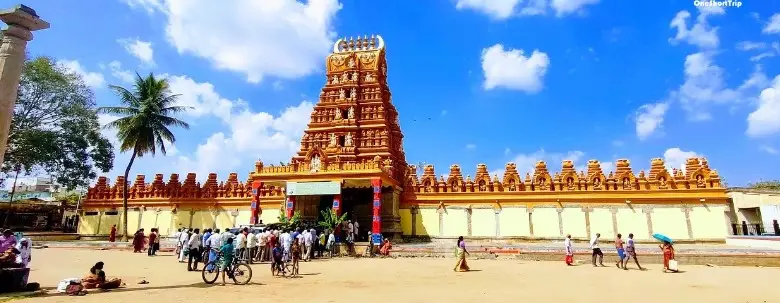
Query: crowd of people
[(625, 252)]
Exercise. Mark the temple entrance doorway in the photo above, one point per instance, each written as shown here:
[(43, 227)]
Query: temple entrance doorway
[(356, 203)]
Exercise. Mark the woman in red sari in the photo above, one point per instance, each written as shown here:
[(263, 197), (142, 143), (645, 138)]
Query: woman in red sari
[(385, 249), (668, 250), (138, 241), (112, 235)]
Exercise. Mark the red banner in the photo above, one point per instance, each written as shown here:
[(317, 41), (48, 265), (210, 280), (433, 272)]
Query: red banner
[(376, 224), (255, 206), (337, 204), (290, 207)]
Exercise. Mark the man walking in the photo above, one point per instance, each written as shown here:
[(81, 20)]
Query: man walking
[(569, 251), (631, 253), (594, 245), (620, 251), (194, 244)]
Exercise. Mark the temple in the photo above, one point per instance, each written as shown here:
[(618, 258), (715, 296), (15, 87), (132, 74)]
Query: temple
[(351, 160)]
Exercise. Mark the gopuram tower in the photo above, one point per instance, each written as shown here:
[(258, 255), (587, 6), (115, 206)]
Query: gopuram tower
[(355, 120)]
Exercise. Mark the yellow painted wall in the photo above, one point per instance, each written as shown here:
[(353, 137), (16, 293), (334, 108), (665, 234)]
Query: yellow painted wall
[(164, 223), (134, 217), (406, 221), (513, 222), (574, 222), (244, 217), (670, 222), (483, 222), (455, 223), (224, 220), (631, 221), (105, 226), (753, 200), (202, 219), (708, 222), (270, 215), (601, 222), (147, 220), (427, 222), (88, 225), (181, 219), (545, 222)]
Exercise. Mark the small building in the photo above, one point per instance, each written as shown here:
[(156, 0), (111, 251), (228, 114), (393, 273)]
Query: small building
[(753, 211)]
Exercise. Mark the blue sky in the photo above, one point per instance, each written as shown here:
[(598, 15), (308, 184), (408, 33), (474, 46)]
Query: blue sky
[(475, 81)]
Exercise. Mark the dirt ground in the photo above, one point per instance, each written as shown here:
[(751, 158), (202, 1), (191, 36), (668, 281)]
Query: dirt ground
[(408, 280)]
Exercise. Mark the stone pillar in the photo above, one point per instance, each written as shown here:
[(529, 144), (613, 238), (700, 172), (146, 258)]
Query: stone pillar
[(192, 215), (648, 214), (614, 212), (587, 211), (687, 210), (141, 211), (530, 211), (413, 211), (22, 21), (497, 211), (468, 220), (560, 220)]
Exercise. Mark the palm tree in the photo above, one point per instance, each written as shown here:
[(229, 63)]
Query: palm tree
[(144, 126)]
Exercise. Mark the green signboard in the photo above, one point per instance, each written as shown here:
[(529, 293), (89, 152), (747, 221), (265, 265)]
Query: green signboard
[(313, 188), (5, 196)]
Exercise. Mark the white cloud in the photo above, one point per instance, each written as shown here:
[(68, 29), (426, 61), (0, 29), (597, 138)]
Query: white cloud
[(507, 151), (115, 67), (773, 26), (565, 7), (471, 146), (140, 49), (649, 118), (92, 79), (497, 9), (676, 157), (770, 150), (281, 38), (443, 112), (527, 162), (618, 143), (700, 34), (765, 120), (238, 146), (750, 45), (150, 6), (504, 9), (512, 70), (761, 56)]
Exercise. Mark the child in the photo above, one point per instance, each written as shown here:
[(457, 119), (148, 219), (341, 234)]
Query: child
[(228, 251), (296, 254), (277, 264)]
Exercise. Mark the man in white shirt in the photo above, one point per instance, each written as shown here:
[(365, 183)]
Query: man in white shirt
[(183, 239), (215, 242), (330, 243), (314, 243), (251, 247), (356, 231), (262, 242), (175, 238), (241, 244), (594, 245), (569, 251), (307, 243), (194, 245), (351, 229), (286, 243)]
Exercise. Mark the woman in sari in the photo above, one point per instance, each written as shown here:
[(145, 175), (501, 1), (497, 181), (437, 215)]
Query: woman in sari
[(112, 234), (668, 250), (138, 241), (385, 249), (461, 253), (97, 279)]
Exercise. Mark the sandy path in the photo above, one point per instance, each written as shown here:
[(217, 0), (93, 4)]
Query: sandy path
[(409, 280)]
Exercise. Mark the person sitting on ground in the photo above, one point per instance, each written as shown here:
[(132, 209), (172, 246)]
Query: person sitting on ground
[(97, 279), (385, 249)]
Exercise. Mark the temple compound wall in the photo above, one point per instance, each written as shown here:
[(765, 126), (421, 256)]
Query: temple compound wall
[(353, 144), (687, 206)]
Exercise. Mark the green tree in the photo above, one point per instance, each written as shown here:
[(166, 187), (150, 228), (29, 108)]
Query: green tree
[(330, 219), (291, 222), (55, 127), (770, 184), (146, 115)]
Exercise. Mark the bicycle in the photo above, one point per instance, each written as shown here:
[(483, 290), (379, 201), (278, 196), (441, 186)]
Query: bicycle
[(237, 269), (287, 269)]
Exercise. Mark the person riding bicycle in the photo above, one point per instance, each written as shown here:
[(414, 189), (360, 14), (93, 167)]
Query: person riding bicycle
[(227, 250), (278, 261)]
